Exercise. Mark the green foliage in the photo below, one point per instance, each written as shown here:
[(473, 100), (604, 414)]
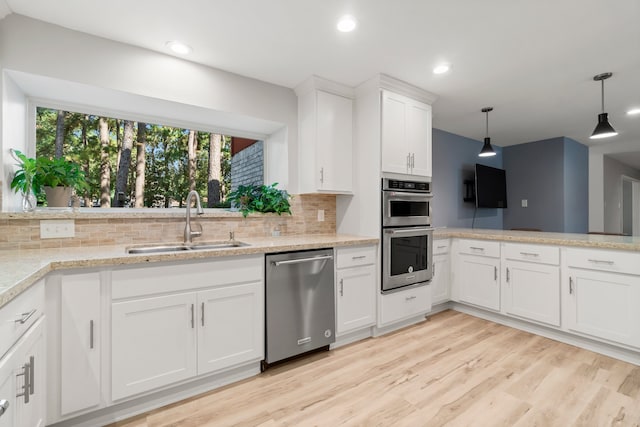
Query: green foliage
[(24, 176), (263, 198), (58, 172)]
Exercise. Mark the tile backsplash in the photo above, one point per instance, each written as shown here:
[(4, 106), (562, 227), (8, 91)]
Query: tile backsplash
[(21, 233)]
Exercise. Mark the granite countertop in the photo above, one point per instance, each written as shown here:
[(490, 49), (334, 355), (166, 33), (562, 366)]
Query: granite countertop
[(625, 243), (21, 269)]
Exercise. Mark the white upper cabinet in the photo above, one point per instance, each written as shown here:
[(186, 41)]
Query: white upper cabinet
[(325, 134), (406, 135)]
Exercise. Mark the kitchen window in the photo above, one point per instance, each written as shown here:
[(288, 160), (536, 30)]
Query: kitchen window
[(131, 163)]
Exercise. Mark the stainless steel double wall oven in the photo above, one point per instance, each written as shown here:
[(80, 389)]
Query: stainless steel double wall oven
[(407, 236)]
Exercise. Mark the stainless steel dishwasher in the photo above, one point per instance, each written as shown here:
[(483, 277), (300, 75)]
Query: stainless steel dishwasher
[(300, 304)]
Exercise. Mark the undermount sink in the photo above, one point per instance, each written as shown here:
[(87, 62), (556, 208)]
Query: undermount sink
[(155, 248)]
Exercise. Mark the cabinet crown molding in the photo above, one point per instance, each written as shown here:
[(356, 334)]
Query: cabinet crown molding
[(318, 83), (386, 82)]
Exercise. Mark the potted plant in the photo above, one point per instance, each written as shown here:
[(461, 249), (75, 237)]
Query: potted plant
[(23, 180), (262, 198), (58, 177)]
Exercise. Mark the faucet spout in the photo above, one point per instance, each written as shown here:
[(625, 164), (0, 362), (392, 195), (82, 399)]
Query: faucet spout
[(189, 234)]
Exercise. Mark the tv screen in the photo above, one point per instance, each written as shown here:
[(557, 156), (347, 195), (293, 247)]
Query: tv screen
[(491, 187)]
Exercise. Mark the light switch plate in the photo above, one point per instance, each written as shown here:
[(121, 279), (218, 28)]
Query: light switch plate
[(320, 215), (525, 203), (57, 228)]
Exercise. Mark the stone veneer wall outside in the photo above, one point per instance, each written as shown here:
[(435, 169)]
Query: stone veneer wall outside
[(247, 166), (22, 233)]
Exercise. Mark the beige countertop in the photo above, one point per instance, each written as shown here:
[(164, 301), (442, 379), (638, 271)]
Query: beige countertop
[(625, 243), (21, 269)]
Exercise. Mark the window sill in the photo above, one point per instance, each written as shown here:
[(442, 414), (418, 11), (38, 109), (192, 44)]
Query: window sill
[(118, 213)]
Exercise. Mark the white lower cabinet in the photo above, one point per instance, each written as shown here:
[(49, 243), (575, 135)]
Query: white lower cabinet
[(404, 304), (604, 305), (478, 281), (80, 343), (532, 291), (159, 340), (153, 343), (440, 288), (356, 288), (22, 383)]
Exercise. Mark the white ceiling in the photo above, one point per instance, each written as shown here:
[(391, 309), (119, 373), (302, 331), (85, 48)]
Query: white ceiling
[(533, 61)]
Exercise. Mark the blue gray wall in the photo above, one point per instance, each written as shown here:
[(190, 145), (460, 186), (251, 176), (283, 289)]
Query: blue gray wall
[(454, 159), (552, 175)]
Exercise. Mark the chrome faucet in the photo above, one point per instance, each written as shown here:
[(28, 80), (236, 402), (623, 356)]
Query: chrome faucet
[(189, 234)]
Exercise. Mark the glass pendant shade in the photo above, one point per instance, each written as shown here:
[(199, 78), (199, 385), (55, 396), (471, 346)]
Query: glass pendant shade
[(603, 128), (487, 149)]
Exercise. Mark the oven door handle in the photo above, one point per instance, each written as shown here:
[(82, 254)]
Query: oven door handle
[(407, 196), (409, 230)]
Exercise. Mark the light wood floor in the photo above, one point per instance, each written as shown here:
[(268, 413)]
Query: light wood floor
[(453, 369)]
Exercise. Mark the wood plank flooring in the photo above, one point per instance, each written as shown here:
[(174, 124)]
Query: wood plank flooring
[(453, 369)]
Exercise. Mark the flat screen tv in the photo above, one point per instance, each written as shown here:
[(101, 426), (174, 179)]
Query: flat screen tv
[(491, 187)]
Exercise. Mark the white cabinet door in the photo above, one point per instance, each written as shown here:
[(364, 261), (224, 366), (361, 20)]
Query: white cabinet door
[(419, 137), (532, 291), (479, 281), (7, 391), (334, 142), (153, 343), (604, 305), (356, 298), (441, 278), (395, 153), (230, 326), (79, 342), (31, 413)]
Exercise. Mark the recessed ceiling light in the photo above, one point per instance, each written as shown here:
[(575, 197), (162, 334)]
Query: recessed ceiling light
[(633, 111), (346, 24), (441, 69), (179, 47)]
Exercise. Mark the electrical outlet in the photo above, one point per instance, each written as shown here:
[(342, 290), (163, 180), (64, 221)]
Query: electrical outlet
[(525, 203), (57, 228), (320, 215)]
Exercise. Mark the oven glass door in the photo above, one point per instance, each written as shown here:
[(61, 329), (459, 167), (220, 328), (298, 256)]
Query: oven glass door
[(407, 256)]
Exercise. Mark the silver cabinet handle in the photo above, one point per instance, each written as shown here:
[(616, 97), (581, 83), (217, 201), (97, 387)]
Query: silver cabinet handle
[(25, 387), (202, 314), (301, 260), (91, 334), (358, 257), (413, 160), (441, 247), (32, 374), (495, 273), (433, 269), (529, 254), (570, 285), (193, 314), (507, 274), (410, 298), (601, 261), (322, 175), (341, 287), (4, 405), (25, 317), (408, 161), (475, 248)]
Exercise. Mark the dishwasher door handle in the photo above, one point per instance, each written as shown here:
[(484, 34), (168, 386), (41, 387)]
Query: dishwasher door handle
[(301, 260)]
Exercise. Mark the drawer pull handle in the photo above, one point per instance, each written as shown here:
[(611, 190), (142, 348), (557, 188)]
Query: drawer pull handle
[(359, 257), (91, 334), (570, 285), (410, 298), (441, 247), (26, 316), (601, 261), (495, 273), (341, 287), (475, 248), (507, 274), (529, 254)]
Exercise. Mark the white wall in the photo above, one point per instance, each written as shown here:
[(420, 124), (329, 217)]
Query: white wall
[(14, 111), (41, 49), (613, 170)]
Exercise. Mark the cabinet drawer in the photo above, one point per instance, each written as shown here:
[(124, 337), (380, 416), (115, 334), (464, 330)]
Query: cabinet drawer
[(405, 304), (17, 316), (532, 253), (604, 260), (355, 256), (441, 246), (479, 247)]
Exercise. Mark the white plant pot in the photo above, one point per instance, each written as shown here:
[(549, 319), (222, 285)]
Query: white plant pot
[(58, 197)]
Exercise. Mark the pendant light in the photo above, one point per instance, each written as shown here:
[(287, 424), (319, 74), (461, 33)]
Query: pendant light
[(487, 149), (603, 128)]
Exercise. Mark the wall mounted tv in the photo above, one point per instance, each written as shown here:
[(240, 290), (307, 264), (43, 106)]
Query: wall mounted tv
[(491, 187)]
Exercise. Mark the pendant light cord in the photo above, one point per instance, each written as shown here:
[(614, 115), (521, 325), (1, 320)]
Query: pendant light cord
[(487, 114), (602, 93)]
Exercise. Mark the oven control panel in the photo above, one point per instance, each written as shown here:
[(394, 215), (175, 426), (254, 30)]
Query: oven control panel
[(417, 186)]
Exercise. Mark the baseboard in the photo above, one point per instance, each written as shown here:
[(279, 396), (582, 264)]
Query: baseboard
[(378, 331), (352, 337)]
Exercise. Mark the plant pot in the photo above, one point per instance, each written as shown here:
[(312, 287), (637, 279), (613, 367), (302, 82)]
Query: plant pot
[(58, 197)]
